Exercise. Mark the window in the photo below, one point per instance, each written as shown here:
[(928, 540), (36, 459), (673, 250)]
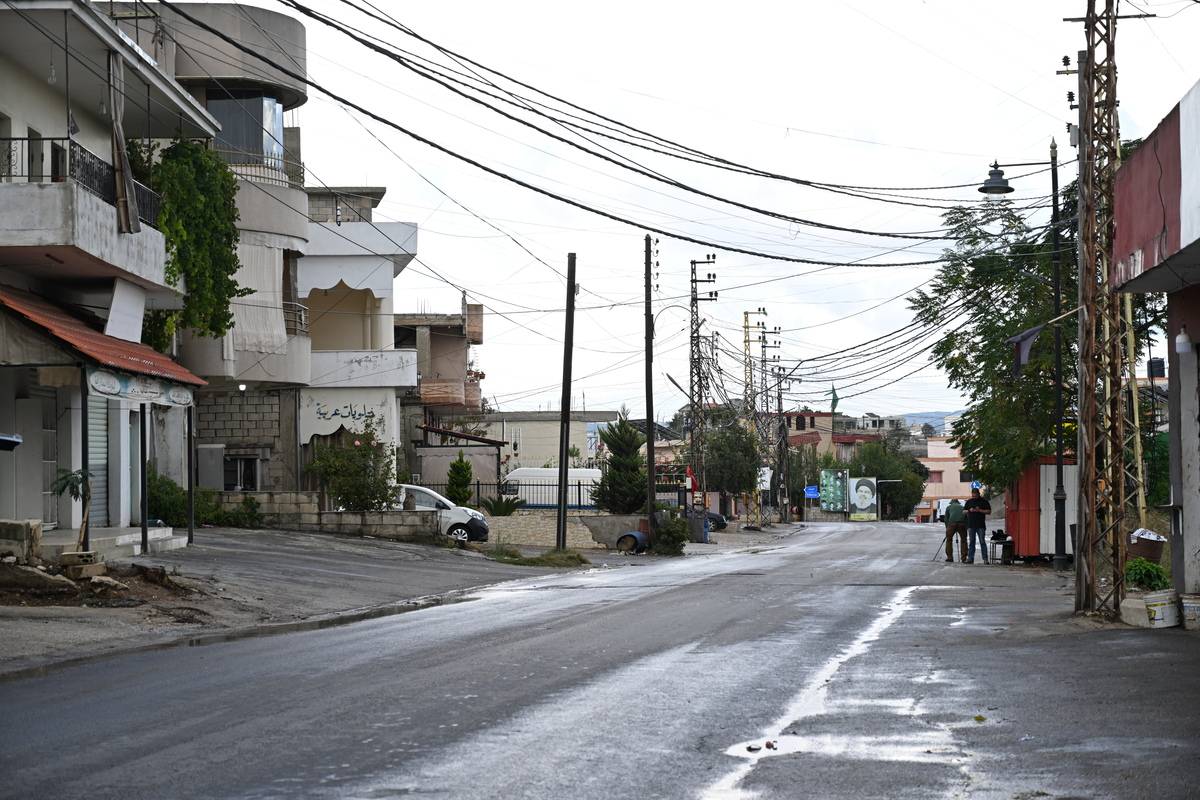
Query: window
[(241, 474), (965, 477), (799, 423), (935, 476), (251, 127)]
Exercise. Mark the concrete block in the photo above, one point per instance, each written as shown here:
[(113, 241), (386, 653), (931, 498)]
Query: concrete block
[(13, 576), (78, 571)]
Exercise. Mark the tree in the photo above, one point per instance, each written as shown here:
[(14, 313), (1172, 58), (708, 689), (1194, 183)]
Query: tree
[(928, 430), (458, 481), (999, 275), (731, 460), (359, 476), (622, 487)]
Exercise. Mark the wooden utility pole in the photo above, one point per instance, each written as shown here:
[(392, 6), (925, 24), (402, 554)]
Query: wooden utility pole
[(564, 425)]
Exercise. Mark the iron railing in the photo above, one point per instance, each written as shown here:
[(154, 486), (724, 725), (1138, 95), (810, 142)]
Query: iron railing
[(535, 495), (262, 168), (26, 160), (295, 319)]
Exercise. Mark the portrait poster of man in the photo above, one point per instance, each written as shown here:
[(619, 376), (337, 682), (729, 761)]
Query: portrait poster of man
[(864, 504), (833, 490)]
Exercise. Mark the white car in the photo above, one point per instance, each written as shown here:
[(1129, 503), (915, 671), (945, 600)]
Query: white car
[(457, 522)]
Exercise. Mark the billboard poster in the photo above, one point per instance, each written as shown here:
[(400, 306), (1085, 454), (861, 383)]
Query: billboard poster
[(833, 489), (864, 505)]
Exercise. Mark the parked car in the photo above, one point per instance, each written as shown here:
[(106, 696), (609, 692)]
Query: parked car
[(716, 522), (457, 522)]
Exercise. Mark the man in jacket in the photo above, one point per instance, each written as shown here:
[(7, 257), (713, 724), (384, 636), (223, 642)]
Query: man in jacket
[(977, 510), (956, 524)]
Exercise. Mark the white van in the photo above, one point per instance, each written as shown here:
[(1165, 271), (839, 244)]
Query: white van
[(457, 522), (538, 486)]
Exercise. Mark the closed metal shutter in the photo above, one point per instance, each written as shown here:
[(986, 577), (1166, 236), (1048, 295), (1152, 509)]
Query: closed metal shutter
[(49, 453), (98, 460)]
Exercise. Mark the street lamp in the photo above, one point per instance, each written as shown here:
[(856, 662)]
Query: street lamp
[(995, 186)]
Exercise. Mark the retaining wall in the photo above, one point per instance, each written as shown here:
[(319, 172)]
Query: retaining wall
[(300, 511), (536, 528)]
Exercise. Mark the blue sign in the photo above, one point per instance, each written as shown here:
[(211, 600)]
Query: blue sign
[(976, 485), (811, 492)]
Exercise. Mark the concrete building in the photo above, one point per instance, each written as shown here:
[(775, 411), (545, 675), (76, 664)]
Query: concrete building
[(249, 414), (81, 258), (947, 478), (1157, 249), (447, 387), (345, 280)]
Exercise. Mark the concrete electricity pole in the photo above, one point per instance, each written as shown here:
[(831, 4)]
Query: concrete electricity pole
[(696, 382)]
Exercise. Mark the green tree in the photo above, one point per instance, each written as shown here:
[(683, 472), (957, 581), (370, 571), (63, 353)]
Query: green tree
[(731, 460), (997, 282), (622, 488), (360, 475), (458, 481)]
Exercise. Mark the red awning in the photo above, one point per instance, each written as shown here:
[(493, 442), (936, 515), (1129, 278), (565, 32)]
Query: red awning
[(90, 343)]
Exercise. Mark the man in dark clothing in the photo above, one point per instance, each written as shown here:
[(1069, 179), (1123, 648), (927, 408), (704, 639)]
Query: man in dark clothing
[(977, 510)]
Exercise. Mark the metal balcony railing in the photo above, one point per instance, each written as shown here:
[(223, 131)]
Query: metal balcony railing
[(262, 168), (295, 319), (27, 160)]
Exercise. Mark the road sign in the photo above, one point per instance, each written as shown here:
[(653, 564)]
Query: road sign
[(812, 492), (976, 485)]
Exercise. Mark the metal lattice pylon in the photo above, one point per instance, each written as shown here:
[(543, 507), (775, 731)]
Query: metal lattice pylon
[(1110, 467)]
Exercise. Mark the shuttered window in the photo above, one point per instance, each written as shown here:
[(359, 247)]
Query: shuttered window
[(98, 460)]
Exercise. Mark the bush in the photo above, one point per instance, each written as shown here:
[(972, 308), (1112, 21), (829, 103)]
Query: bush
[(458, 481), (501, 506), (358, 477), (1147, 575), (167, 500), (670, 535), (246, 515)]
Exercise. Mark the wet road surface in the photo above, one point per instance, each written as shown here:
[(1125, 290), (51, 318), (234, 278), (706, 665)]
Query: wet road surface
[(874, 672)]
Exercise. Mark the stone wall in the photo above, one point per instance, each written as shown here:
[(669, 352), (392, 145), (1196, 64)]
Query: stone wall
[(21, 538), (299, 511), (536, 528), (259, 423)]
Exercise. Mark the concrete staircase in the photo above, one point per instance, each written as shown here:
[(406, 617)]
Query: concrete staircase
[(112, 544)]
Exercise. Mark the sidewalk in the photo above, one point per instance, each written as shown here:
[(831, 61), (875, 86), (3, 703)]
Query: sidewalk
[(240, 579)]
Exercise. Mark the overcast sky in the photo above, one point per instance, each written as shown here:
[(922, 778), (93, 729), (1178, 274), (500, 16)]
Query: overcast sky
[(902, 93)]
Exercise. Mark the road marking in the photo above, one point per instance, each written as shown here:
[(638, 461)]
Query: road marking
[(809, 702)]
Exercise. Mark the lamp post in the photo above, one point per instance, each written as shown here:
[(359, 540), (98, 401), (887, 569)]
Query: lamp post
[(997, 185)]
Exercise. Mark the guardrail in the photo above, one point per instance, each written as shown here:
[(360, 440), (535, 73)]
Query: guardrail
[(262, 168), (295, 319)]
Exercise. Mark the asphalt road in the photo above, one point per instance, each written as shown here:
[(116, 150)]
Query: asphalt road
[(878, 672)]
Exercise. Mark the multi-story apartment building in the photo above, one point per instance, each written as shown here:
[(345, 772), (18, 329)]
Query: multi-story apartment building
[(359, 371), (249, 414), (81, 258)]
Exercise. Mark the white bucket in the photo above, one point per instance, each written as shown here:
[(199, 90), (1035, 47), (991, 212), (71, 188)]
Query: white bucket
[(1162, 608), (1191, 611)]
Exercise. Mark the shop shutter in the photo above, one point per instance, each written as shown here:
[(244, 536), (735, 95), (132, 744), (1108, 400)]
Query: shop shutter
[(98, 460)]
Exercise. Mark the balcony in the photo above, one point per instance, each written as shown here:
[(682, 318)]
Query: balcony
[(24, 161), (364, 368), (58, 218), (295, 319), (264, 169)]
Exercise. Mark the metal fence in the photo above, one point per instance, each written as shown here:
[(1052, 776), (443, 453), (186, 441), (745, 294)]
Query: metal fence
[(535, 495), (30, 160)]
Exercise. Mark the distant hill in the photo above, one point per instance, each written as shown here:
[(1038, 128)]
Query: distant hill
[(934, 418)]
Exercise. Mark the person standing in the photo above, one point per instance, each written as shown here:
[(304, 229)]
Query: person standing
[(956, 525), (977, 510)]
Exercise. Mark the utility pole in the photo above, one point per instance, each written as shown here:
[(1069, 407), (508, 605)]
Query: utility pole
[(764, 428), (749, 403), (564, 420), (1107, 416), (783, 459), (696, 373), (650, 427)]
